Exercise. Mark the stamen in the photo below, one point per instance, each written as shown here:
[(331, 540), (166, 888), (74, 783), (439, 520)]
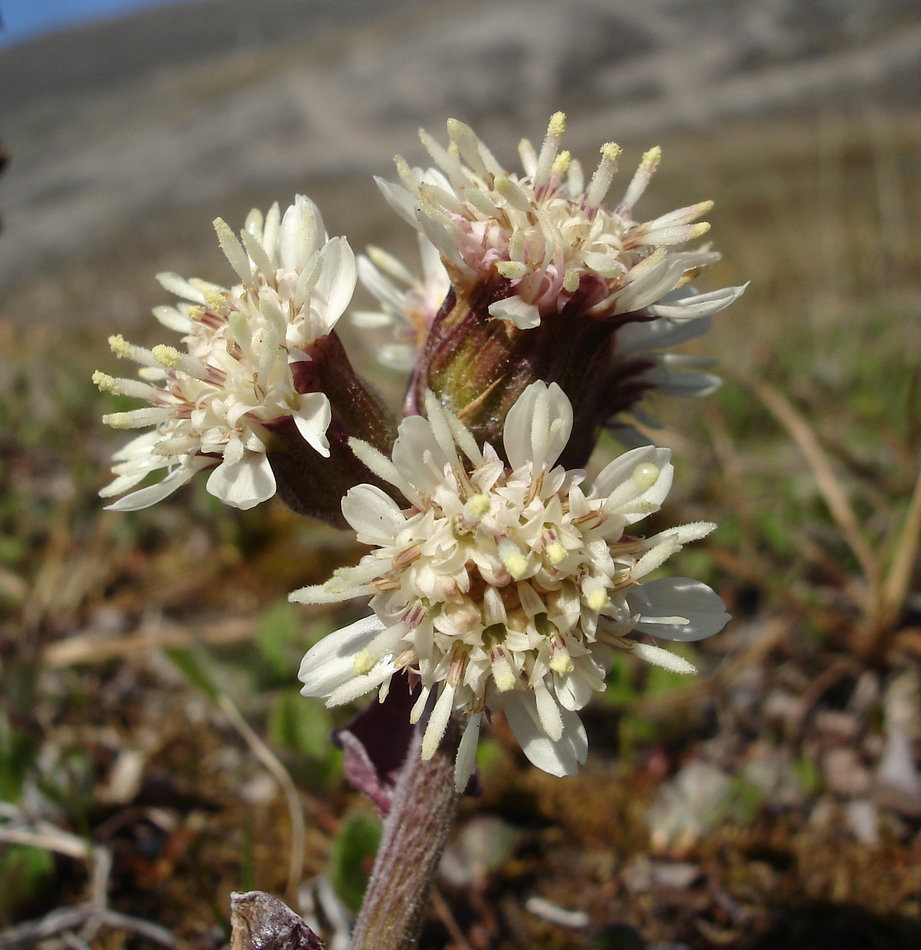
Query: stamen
[(502, 672), (233, 250), (438, 721), (513, 194), (171, 358), (641, 178), (562, 163), (515, 562), (129, 351), (595, 594), (601, 180), (136, 418), (663, 658), (553, 547), (548, 150), (125, 387), (475, 508), (561, 662)]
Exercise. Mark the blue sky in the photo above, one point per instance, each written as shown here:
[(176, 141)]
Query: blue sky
[(25, 19)]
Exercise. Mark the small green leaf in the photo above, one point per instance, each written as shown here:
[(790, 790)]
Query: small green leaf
[(276, 635), (193, 669), (355, 847), (25, 875)]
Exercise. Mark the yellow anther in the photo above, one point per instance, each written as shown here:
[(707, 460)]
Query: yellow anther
[(168, 356), (597, 599), (363, 663), (557, 125), (476, 507), (503, 674), (562, 162), (650, 160), (215, 299), (119, 345), (610, 152), (645, 475), (562, 663), (515, 562), (106, 383)]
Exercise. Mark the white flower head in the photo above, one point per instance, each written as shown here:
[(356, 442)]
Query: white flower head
[(505, 586), (212, 406), (550, 236), (408, 304)]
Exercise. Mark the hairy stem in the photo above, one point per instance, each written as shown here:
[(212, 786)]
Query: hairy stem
[(415, 831)]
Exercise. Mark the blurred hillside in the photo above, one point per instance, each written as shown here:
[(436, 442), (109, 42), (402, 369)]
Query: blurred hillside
[(124, 135)]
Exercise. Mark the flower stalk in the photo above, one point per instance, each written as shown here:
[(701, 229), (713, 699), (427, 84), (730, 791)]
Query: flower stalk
[(422, 812)]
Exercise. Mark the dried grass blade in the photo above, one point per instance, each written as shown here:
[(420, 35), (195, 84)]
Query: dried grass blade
[(898, 579), (273, 765), (828, 483)]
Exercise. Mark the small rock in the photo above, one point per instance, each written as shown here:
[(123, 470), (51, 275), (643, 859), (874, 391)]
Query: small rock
[(772, 772), (675, 874), (863, 820), (845, 773), (837, 723), (780, 706), (261, 789), (824, 814), (898, 785), (642, 875), (688, 806)]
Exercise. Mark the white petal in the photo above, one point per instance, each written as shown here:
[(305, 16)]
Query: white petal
[(538, 426), (371, 319), (466, 752), (299, 234), (562, 757), (145, 497), (616, 482), (399, 356), (638, 337), (243, 484), (331, 662), (417, 454), (689, 384), (312, 420), (548, 712), (373, 514), (401, 200), (682, 597), (438, 721), (524, 315), (180, 287), (573, 690), (336, 283), (700, 305)]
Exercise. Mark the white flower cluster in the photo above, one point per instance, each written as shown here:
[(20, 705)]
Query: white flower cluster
[(212, 404), (505, 587), (549, 235)]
